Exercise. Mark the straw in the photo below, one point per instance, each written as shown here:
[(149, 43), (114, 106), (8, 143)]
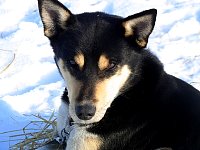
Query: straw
[(35, 134)]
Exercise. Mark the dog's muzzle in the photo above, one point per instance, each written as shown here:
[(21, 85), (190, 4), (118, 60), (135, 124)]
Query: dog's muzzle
[(85, 111)]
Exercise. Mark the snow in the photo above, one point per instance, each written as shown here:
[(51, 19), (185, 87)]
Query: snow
[(32, 83)]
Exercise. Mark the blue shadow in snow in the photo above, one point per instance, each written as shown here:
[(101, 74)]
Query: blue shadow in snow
[(33, 16), (9, 120), (198, 15), (51, 77)]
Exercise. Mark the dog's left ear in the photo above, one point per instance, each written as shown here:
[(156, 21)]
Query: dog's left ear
[(139, 26), (55, 16)]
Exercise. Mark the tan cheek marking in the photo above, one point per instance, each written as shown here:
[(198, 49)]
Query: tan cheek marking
[(103, 62), (108, 89), (73, 85), (79, 59)]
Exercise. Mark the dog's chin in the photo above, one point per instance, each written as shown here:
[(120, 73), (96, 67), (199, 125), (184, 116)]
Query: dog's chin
[(85, 122)]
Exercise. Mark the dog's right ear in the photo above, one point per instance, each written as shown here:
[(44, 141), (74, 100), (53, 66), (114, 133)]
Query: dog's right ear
[(55, 16)]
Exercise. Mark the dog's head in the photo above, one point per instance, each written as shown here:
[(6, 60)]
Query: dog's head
[(97, 54)]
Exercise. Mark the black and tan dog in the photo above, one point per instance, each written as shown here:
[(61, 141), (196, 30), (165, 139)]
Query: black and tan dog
[(120, 98)]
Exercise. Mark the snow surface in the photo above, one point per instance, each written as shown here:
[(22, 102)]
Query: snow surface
[(32, 83)]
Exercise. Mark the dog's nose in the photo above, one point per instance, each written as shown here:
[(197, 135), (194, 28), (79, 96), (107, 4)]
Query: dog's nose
[(85, 111)]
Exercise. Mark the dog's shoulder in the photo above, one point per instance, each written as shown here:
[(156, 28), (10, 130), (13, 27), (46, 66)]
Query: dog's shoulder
[(177, 90)]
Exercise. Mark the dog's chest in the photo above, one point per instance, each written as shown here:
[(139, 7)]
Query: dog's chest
[(80, 139)]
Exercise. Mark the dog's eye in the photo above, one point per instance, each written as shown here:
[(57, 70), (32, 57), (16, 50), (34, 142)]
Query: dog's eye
[(112, 65), (72, 64)]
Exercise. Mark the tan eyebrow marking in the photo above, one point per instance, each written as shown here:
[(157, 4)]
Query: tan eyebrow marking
[(103, 62), (79, 59)]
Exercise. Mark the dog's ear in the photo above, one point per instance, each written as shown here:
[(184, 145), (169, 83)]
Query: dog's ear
[(55, 16), (139, 26)]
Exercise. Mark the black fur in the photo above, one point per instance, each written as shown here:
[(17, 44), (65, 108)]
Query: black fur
[(162, 111), (154, 109)]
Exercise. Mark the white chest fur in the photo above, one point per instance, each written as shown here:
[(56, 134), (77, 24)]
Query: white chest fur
[(80, 139)]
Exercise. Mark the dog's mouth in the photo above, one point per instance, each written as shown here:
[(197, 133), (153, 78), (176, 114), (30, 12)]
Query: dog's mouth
[(81, 124)]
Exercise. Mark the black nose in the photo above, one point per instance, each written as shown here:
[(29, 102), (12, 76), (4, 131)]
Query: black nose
[(85, 111)]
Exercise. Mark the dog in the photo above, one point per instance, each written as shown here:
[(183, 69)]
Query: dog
[(117, 96)]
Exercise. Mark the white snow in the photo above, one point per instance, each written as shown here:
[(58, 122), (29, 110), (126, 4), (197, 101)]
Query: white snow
[(32, 83)]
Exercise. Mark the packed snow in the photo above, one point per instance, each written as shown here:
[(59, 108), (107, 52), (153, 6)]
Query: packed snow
[(29, 80)]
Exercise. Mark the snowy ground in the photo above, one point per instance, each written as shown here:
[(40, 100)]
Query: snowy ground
[(32, 83)]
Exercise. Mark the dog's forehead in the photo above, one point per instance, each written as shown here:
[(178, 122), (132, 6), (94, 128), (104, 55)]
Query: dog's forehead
[(95, 35), (98, 17), (96, 30)]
